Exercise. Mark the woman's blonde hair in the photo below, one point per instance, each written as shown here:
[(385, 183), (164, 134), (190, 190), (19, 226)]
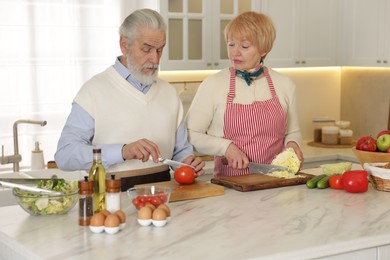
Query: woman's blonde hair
[(254, 27)]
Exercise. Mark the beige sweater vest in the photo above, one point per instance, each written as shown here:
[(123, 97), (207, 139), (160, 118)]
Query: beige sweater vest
[(124, 114)]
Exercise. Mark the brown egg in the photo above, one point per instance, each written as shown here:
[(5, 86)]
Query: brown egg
[(166, 208), (97, 220), (159, 214), (105, 212), (145, 213), (149, 204), (121, 215), (112, 220)]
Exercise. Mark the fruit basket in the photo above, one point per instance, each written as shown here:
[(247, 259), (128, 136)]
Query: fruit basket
[(371, 157), (380, 174)]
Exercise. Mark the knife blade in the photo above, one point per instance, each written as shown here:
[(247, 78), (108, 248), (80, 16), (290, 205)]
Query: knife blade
[(260, 168), (171, 162), (265, 168), (174, 163), (27, 180)]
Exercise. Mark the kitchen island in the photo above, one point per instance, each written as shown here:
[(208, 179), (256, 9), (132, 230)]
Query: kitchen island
[(282, 223)]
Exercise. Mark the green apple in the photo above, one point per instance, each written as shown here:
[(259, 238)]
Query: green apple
[(383, 142)]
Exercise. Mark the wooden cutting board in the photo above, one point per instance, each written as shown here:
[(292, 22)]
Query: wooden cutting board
[(199, 189), (252, 182)]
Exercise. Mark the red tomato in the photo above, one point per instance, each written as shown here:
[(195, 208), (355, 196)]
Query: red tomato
[(184, 175), (163, 197), (336, 182), (156, 201), (136, 202)]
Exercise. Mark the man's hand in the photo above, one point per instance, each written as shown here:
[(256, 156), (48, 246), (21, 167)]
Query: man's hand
[(197, 163), (142, 150)]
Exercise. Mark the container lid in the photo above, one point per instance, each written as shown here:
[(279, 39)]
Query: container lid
[(346, 132), (330, 130), (343, 124), (85, 186), (113, 185)]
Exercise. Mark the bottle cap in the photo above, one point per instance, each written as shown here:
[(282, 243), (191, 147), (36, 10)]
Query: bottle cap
[(113, 185), (97, 150), (85, 186)]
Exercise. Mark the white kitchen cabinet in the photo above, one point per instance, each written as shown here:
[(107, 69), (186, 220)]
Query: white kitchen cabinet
[(306, 32), (367, 34), (195, 39)]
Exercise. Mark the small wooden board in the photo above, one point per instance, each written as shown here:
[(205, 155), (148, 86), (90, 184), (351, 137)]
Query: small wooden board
[(199, 189), (251, 182)]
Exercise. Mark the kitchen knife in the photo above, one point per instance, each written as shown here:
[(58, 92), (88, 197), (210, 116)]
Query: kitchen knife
[(27, 180), (261, 168), (171, 162), (266, 168), (174, 163)]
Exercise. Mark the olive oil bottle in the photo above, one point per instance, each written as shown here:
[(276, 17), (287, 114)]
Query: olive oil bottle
[(97, 174)]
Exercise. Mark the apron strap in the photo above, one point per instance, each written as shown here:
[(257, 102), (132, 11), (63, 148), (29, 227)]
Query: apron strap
[(232, 85)]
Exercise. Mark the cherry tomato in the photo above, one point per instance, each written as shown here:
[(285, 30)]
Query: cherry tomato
[(136, 201), (156, 201), (336, 182), (184, 175)]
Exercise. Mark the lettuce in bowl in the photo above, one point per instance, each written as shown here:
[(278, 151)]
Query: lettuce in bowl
[(45, 204)]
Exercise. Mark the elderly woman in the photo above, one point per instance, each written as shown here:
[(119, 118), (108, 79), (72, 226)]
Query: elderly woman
[(247, 112)]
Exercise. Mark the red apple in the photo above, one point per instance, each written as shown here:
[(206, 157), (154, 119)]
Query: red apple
[(383, 132), (366, 143)]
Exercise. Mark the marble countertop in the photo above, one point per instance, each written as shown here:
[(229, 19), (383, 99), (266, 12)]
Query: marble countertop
[(283, 223)]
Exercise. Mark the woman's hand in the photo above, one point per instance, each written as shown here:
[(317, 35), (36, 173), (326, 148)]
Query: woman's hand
[(297, 150), (197, 163), (236, 158)]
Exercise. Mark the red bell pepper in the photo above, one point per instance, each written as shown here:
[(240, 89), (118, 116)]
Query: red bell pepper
[(355, 181)]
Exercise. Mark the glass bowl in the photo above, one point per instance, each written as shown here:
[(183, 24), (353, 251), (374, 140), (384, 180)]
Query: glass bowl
[(144, 194), (42, 204)]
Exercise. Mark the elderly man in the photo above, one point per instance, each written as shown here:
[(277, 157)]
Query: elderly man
[(128, 112)]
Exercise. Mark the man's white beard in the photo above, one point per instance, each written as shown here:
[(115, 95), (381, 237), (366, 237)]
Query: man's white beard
[(136, 72)]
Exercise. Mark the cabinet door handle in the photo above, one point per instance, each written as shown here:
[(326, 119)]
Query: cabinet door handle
[(385, 61), (297, 62), (303, 62), (378, 61), (216, 63), (208, 64)]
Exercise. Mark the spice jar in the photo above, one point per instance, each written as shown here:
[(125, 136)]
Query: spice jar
[(113, 194), (330, 135), (85, 201)]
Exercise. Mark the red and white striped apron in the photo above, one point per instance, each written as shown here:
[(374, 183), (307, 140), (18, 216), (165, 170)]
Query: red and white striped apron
[(258, 129)]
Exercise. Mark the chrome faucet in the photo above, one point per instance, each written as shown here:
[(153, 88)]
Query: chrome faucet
[(16, 158)]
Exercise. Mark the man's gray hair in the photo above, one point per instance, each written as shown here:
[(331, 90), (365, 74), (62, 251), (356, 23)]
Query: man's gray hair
[(142, 18)]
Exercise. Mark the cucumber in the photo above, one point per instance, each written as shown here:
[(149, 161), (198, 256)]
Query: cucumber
[(323, 183), (312, 183)]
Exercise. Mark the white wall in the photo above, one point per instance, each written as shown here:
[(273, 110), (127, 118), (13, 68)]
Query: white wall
[(48, 49)]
